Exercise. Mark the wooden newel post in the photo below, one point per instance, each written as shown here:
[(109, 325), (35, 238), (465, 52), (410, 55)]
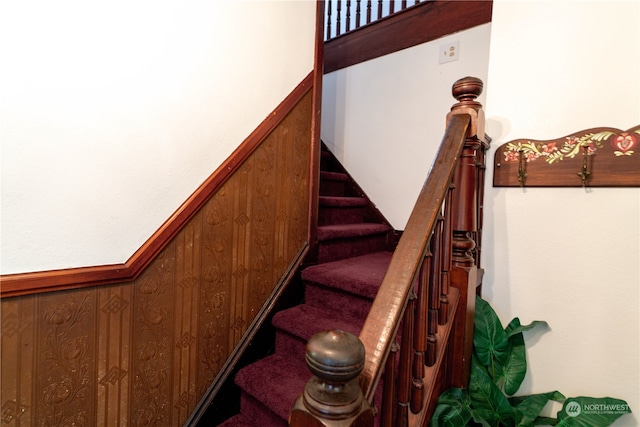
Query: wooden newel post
[(332, 397), (465, 219)]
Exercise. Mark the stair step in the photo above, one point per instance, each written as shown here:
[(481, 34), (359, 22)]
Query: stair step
[(348, 286), (272, 385), (334, 176), (341, 210), (342, 241), (342, 202), (241, 421), (346, 231), (333, 183), (360, 275), (296, 325)]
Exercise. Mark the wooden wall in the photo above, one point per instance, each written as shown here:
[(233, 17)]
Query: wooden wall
[(143, 352)]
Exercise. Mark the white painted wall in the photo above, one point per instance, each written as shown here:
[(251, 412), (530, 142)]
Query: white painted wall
[(568, 256), (384, 119), (113, 113)]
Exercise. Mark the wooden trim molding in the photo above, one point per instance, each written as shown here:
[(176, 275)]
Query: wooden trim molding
[(55, 280), (316, 116), (415, 25)]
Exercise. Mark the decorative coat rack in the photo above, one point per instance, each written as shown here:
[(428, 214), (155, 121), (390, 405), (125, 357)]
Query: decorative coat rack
[(597, 157)]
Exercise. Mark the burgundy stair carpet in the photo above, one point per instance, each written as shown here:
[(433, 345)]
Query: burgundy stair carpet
[(339, 291)]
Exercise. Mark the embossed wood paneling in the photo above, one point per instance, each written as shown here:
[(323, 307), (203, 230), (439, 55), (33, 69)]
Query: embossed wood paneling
[(144, 352)]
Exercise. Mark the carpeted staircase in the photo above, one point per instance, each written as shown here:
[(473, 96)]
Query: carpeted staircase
[(353, 256)]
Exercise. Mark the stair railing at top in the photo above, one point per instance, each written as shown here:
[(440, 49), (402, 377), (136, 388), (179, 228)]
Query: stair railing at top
[(342, 16), (427, 293)]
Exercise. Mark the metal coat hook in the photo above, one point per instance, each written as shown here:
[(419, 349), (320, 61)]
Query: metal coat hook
[(584, 172), (522, 174)]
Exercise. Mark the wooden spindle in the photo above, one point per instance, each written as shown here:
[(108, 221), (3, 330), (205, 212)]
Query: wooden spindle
[(379, 9), (338, 17), (368, 11), (447, 234), (404, 370), (389, 391), (392, 6), (329, 20), (358, 13), (404, 5), (333, 394), (434, 295), (420, 335), (348, 27)]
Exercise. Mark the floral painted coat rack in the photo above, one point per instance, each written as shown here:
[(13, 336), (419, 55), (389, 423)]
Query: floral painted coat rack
[(597, 157)]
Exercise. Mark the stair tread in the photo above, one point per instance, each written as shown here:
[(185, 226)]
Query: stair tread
[(275, 381), (238, 421), (342, 201), (361, 275), (339, 231), (303, 321), (334, 176)]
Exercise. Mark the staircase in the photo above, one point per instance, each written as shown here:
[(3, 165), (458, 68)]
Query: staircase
[(353, 256)]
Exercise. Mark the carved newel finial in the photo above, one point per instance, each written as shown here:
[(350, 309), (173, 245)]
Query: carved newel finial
[(466, 90), (336, 358)]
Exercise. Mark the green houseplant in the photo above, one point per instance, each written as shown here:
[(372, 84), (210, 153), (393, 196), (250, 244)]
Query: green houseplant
[(498, 367)]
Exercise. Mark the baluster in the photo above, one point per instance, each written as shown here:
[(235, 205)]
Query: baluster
[(420, 334), (392, 6), (389, 391), (434, 294), (368, 11), (348, 28), (329, 20), (333, 394), (358, 13), (447, 231), (379, 9), (339, 18), (404, 5), (404, 370)]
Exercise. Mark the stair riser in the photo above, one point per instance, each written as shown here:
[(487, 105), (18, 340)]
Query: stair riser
[(342, 304), (332, 188), (333, 250), (258, 414), (292, 346), (340, 215)]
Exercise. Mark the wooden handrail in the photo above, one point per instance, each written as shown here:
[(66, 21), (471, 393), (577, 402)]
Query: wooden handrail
[(428, 290), (384, 318)]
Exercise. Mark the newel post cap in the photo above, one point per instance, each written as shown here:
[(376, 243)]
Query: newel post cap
[(335, 356), (466, 90)]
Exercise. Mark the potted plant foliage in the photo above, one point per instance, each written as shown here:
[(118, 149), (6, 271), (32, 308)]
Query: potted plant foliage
[(498, 367)]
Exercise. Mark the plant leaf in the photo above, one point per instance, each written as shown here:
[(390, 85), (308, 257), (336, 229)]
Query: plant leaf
[(514, 370), (515, 327), (488, 401), (453, 409), (545, 421), (527, 408), (591, 412), (489, 339)]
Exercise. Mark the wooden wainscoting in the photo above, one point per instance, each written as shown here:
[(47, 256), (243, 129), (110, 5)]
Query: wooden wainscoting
[(143, 352)]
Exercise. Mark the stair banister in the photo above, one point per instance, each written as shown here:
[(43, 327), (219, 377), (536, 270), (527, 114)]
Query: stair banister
[(433, 268)]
